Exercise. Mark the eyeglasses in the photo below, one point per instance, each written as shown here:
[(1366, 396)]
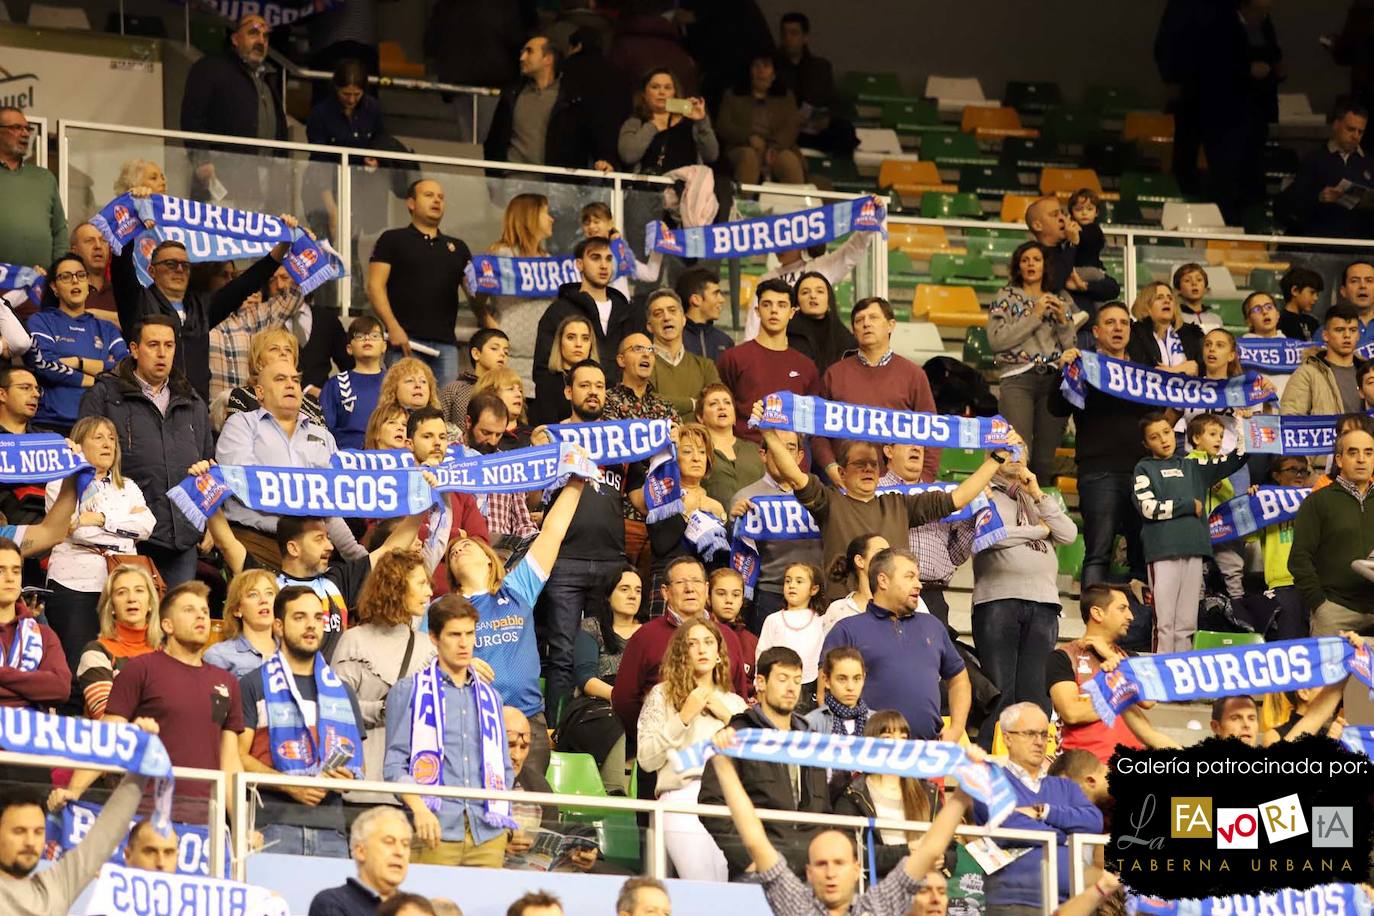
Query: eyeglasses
[(368, 337), (697, 583), (1032, 735), (18, 128), (638, 348), (1263, 307), (863, 464), (173, 265), (67, 276)]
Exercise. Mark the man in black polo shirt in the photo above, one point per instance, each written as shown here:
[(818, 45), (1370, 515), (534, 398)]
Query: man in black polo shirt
[(413, 281)]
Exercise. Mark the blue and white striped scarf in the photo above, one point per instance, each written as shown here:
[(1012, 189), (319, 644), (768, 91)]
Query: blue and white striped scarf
[(768, 234), (1274, 355), (1271, 434), (610, 442), (38, 458), (16, 276), (1147, 385), (535, 278), (1322, 900), (813, 416), (294, 748)]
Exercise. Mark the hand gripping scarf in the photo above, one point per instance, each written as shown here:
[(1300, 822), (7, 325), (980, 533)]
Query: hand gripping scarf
[(768, 234), (295, 748), (1146, 385)]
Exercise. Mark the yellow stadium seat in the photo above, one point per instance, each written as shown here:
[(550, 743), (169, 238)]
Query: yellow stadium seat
[(1066, 181), (999, 744), (1014, 207), (952, 306), (994, 123), (912, 178), (1067, 485), (963, 739), (919, 241), (1148, 126), (392, 62), (747, 284), (1235, 254)]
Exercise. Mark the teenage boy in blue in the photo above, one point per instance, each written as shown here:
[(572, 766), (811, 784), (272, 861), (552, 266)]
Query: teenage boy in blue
[(1171, 496), (349, 398), (70, 345)]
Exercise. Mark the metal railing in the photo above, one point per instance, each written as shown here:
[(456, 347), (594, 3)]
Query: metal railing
[(1079, 843), (656, 862), (216, 817), (618, 184)]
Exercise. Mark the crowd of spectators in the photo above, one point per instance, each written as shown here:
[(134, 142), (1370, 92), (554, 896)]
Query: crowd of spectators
[(586, 626)]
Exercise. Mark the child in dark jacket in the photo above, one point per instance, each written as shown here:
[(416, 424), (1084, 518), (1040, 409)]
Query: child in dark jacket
[(1171, 495)]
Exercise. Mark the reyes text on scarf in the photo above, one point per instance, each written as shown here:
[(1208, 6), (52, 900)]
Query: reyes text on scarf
[(1251, 512), (813, 416), (534, 278), (1272, 434), (1275, 355), (213, 233), (1146, 385), (320, 492), (15, 276), (767, 234), (610, 442), (1230, 671), (1322, 900), (38, 458), (984, 782)]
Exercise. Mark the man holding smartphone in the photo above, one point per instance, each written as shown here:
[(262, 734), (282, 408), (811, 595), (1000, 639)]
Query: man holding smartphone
[(300, 719)]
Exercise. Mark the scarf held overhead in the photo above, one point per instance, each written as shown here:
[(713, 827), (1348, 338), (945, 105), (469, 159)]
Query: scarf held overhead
[(37, 458), (193, 840), (1251, 512), (624, 441), (213, 233), (917, 759), (813, 416), (1146, 385), (321, 492), (537, 467), (14, 276), (769, 234), (534, 278), (1230, 671), (1275, 355), (1270, 434)]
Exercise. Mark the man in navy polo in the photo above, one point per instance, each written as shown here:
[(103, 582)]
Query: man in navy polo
[(907, 654)]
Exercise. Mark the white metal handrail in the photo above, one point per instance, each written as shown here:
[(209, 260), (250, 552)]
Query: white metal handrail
[(216, 818), (1078, 843), (657, 860)]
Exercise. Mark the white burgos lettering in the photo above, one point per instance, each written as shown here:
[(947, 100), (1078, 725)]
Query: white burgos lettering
[(795, 230), (318, 492), (1259, 669), (860, 422)]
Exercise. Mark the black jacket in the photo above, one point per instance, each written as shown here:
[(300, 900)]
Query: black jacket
[(769, 786), (581, 129), (134, 300), (220, 98), (573, 301), (328, 343), (157, 450), (1143, 348), (855, 801)]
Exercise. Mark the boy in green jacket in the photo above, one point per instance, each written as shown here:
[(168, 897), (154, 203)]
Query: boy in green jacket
[(1170, 494)]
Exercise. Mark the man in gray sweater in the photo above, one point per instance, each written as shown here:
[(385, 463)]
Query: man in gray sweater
[(22, 829)]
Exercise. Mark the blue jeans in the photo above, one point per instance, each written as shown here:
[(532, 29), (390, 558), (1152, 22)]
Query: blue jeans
[(1013, 639), (446, 365), (1104, 498), (574, 589), (318, 842)]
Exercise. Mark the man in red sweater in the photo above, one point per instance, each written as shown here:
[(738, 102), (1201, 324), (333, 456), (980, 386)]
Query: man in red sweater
[(759, 367), (875, 376), (685, 596)]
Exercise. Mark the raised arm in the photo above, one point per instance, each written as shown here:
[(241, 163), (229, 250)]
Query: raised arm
[(787, 465), (978, 481), (751, 832), (544, 550), (47, 534), (1151, 737), (228, 543), (930, 849)]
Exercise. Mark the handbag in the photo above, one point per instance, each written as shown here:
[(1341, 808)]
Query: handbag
[(115, 560)]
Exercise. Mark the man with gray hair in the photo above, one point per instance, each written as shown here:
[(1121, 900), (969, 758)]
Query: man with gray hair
[(380, 840), (1042, 803), (643, 896)]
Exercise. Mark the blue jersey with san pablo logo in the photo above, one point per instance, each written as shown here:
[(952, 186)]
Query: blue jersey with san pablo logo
[(58, 336), (505, 635), (347, 400)]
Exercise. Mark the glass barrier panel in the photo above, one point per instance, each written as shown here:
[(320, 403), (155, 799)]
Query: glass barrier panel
[(476, 202)]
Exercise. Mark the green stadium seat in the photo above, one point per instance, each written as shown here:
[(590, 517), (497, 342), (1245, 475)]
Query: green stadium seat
[(1113, 101), (977, 350), (959, 269), (1110, 156), (618, 833), (1071, 558), (871, 85), (1073, 126), (910, 116), (1122, 213), (1229, 311), (576, 774), (953, 149), (990, 180), (958, 463), (1264, 280), (1031, 96), (1211, 639), (1031, 153), (1152, 187), (951, 206)]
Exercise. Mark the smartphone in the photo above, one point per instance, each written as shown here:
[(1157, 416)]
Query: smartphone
[(678, 106)]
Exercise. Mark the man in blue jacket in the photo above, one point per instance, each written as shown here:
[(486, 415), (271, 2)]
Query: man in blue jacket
[(1042, 803)]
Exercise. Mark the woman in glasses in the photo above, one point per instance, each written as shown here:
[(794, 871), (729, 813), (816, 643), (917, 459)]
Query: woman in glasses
[(70, 345)]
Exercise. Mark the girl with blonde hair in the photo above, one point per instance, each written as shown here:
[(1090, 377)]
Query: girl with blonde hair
[(574, 341), (129, 627)]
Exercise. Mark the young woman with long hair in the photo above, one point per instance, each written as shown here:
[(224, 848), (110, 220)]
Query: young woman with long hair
[(247, 642), (129, 627), (574, 341), (526, 228), (853, 568)]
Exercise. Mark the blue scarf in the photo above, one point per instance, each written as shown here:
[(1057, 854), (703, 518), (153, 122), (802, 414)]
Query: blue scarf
[(193, 840), (136, 892), (538, 467), (813, 416), (1359, 738), (897, 757), (532, 278), (1274, 355), (295, 749), (391, 459), (1269, 434), (768, 234), (323, 492), (625, 441), (214, 233), (1146, 385), (1321, 900), (1182, 677), (38, 458), (1250, 512), (14, 276), (26, 731), (26, 652), (427, 741), (705, 535), (988, 529)]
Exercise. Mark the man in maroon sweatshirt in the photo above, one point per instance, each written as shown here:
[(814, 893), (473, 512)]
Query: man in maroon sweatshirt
[(757, 368), (875, 376)]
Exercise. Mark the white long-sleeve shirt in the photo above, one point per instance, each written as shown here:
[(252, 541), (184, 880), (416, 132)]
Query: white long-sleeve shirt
[(16, 339), (78, 562)]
